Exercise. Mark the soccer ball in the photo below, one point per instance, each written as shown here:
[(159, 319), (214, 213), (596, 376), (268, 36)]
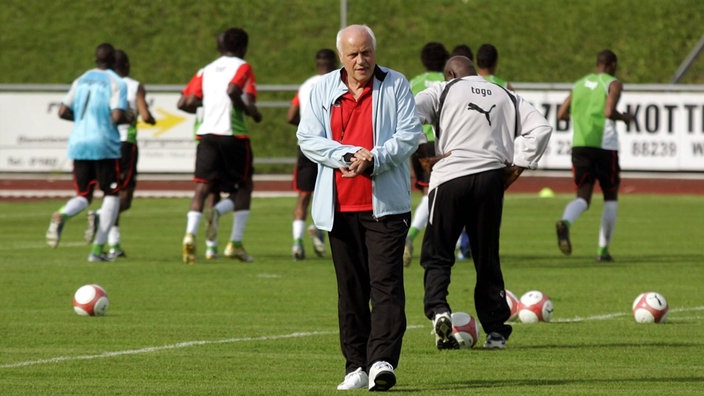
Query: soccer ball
[(512, 301), (464, 329), (650, 307), (534, 307), (90, 300)]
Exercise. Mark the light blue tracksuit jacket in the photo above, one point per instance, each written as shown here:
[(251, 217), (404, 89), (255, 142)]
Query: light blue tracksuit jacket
[(397, 131)]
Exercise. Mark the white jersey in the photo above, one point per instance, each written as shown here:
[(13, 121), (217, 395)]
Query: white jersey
[(478, 124), (217, 106), (304, 92), (130, 129)]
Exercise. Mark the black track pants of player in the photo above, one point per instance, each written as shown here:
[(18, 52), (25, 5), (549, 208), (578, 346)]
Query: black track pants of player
[(474, 202), (368, 258)]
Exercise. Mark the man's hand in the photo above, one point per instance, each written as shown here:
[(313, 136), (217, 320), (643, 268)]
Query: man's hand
[(361, 160), (428, 162), (511, 174)]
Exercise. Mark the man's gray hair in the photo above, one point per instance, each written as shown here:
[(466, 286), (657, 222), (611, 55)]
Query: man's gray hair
[(338, 41)]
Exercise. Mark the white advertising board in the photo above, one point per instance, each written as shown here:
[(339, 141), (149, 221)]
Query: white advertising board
[(33, 138), (667, 135)]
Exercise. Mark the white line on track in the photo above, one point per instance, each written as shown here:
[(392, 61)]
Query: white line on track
[(269, 338)]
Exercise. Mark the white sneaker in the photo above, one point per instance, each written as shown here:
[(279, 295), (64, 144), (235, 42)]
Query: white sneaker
[(93, 220), (408, 253), (318, 240), (53, 233), (381, 376), (442, 327), (189, 249), (357, 379), (297, 251)]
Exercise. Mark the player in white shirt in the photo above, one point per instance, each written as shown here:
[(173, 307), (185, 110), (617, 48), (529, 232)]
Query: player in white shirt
[(476, 125), (306, 171), (226, 89)]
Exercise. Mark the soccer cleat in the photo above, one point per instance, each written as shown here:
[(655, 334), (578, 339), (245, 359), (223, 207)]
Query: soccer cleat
[(53, 234), (495, 340), (442, 327), (239, 253), (189, 249), (408, 253), (381, 376), (563, 237), (100, 258), (212, 218), (604, 258), (318, 240), (297, 251), (92, 226), (116, 251), (211, 253), (357, 379)]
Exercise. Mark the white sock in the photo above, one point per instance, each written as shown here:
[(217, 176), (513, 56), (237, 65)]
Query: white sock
[(224, 206), (109, 210), (608, 223), (114, 236), (193, 222), (420, 217), (74, 206), (239, 221), (573, 209), (299, 227), (211, 244)]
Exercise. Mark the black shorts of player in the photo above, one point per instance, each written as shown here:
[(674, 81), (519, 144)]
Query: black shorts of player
[(128, 165), (304, 174), (422, 177), (224, 161), (104, 173), (590, 164)]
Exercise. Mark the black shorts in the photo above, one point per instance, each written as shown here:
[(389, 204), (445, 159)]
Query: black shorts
[(88, 173), (304, 174), (225, 161), (128, 165), (590, 164), (422, 177)]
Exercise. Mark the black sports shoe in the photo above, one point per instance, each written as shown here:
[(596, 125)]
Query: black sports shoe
[(604, 258), (442, 326), (563, 237), (495, 341)]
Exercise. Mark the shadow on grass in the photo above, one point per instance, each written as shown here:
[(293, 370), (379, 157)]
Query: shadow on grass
[(583, 261), (459, 386)]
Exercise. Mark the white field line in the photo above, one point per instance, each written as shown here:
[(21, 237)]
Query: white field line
[(168, 347), (615, 315), (269, 338)]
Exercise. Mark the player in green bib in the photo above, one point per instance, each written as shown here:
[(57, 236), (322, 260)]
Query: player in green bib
[(487, 62), (433, 56), (591, 106)]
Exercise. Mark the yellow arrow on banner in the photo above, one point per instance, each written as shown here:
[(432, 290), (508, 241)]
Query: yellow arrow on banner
[(163, 124)]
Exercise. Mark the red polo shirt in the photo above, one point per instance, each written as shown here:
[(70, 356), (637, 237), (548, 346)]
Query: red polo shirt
[(351, 124)]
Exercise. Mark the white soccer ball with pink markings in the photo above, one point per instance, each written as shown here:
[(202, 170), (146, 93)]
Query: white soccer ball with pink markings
[(465, 329), (650, 307), (535, 306), (90, 300), (512, 302)]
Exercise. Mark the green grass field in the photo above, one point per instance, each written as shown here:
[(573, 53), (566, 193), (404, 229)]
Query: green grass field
[(270, 327)]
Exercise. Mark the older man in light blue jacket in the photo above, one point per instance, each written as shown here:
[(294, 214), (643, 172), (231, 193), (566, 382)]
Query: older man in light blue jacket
[(361, 129)]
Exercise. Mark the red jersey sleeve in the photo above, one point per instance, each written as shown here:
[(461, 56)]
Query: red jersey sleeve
[(245, 80), (195, 86), (296, 101)]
